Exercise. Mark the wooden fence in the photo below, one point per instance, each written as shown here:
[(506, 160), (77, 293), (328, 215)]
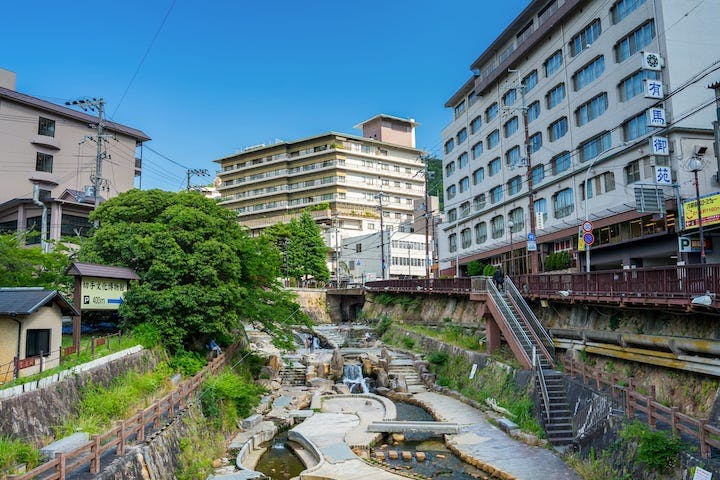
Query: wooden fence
[(128, 431), (623, 389)]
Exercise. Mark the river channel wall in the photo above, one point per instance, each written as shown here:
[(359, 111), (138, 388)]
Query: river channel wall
[(426, 310), (32, 416), (313, 302)]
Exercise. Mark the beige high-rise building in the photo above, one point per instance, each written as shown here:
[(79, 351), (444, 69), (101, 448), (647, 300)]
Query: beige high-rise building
[(53, 147), (337, 177)]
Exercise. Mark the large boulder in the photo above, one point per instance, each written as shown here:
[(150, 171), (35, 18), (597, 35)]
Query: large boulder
[(336, 365), (383, 380), (341, 388)]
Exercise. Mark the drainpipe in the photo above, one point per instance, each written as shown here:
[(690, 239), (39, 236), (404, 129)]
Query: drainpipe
[(19, 338), (43, 226)]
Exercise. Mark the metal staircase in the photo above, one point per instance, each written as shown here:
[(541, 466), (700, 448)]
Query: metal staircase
[(532, 345)]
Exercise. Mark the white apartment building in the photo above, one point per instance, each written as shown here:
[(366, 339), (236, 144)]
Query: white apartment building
[(45, 144), (336, 176), (586, 69), (362, 256)]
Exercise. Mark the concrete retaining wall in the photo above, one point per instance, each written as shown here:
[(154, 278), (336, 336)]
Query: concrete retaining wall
[(31, 415)]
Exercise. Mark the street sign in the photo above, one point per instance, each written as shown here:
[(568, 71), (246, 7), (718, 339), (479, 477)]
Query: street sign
[(539, 221), (589, 239), (531, 237), (532, 246), (587, 226)]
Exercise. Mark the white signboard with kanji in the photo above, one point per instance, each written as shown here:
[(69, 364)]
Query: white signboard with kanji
[(653, 88), (656, 117), (659, 146), (663, 175)]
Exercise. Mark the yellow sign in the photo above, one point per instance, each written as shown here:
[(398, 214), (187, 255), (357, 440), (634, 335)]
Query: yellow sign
[(102, 293), (709, 208), (581, 242)]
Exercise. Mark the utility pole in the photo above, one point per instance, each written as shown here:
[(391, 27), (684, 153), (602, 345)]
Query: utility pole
[(427, 221), (337, 251), (93, 105), (531, 196), (716, 125), (203, 172), (382, 232)]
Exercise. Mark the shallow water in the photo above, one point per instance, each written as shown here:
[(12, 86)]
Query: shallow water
[(279, 462)]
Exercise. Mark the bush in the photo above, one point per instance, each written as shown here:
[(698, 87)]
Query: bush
[(383, 324), (187, 363), (409, 342), (558, 261), (489, 270), (227, 397), (13, 452), (475, 268), (656, 449), (438, 358), (147, 334)]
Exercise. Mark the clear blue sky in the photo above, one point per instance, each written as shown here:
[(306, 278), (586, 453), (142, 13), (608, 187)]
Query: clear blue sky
[(223, 74)]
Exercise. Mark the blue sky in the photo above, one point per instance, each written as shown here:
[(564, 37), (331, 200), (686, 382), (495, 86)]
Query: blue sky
[(223, 75)]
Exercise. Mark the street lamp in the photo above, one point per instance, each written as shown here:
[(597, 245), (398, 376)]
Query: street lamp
[(457, 249), (587, 212), (696, 165), (511, 224)]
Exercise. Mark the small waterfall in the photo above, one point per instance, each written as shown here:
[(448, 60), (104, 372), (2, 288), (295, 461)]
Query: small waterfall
[(353, 378), (315, 343)]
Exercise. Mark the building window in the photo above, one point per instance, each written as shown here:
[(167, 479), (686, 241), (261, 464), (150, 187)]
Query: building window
[(464, 184), (449, 169), (481, 232), (553, 63), (589, 73), (555, 95), (477, 150), (635, 127), (558, 129), (74, 226), (517, 216), (479, 202), (473, 98), (533, 111), (452, 242), (593, 147), (464, 209), (538, 173), (592, 109), (535, 142), (497, 226), (509, 97), (510, 127), (44, 162), (461, 136), (634, 85), (585, 37), (635, 41), (609, 178), (563, 203), (493, 139), (494, 166), (530, 80), (496, 194), (560, 163), (478, 176), (547, 11), (632, 172), (623, 8), (514, 185), (540, 207), (46, 127), (460, 109), (450, 192), (466, 237), (513, 157), (491, 112), (462, 161), (452, 215), (8, 227), (37, 341), (475, 124), (449, 145)]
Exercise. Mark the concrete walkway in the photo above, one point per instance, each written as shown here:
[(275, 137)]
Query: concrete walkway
[(490, 448)]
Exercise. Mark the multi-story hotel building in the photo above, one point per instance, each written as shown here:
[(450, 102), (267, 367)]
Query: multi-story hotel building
[(584, 73), (337, 177), (47, 145)]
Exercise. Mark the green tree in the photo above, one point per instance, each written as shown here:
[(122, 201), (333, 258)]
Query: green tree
[(306, 251), (201, 274), (22, 266)]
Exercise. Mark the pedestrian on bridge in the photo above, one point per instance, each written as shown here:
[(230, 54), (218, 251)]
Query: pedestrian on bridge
[(499, 278)]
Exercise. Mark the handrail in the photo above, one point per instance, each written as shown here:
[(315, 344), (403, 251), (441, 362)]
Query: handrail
[(508, 314), (543, 385), (544, 336)]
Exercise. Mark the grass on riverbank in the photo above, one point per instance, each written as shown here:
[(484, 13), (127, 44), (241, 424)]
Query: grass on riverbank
[(451, 334)]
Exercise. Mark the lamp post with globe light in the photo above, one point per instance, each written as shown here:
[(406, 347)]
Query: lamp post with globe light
[(511, 224), (696, 165)]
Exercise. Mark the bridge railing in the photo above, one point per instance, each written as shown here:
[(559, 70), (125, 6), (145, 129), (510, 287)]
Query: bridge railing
[(442, 285), (677, 281)]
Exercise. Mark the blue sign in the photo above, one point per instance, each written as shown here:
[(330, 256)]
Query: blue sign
[(531, 237), (531, 246), (589, 238)]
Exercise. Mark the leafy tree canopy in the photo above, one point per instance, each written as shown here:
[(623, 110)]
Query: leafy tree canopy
[(201, 274), (22, 266)]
